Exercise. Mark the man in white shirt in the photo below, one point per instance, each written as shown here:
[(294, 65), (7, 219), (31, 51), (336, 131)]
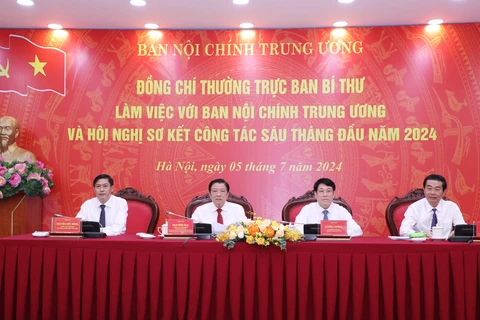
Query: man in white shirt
[(111, 211), (219, 212), (432, 210), (326, 209)]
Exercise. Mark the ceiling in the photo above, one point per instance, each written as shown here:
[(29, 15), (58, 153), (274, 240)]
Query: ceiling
[(223, 14)]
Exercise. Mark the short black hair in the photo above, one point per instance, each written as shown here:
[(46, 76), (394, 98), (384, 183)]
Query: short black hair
[(218, 181), (325, 181), (103, 176), (435, 177)]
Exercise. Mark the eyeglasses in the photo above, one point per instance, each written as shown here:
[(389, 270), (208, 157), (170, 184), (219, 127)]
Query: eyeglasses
[(327, 191), (433, 190)]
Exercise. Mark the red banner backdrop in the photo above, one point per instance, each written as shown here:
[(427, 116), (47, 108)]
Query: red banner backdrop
[(271, 111)]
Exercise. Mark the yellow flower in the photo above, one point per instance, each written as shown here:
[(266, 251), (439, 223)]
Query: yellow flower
[(275, 225), (292, 235), (262, 232), (222, 237)]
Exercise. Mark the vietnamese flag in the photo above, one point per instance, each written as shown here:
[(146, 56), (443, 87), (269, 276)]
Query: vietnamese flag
[(25, 64)]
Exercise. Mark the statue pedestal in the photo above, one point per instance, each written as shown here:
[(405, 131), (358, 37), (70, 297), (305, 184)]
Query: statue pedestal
[(20, 214)]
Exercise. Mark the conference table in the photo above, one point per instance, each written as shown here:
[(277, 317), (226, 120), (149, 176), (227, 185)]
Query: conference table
[(126, 277)]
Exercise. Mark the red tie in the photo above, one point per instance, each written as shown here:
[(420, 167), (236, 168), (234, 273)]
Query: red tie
[(219, 217)]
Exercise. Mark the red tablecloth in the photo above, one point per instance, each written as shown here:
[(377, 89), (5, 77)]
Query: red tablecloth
[(126, 277)]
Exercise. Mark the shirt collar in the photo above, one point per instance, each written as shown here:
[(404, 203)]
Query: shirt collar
[(438, 207), (328, 209), (224, 208), (107, 204)]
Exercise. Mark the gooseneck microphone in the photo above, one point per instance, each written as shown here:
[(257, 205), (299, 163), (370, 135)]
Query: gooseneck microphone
[(58, 215), (183, 217), (291, 222)]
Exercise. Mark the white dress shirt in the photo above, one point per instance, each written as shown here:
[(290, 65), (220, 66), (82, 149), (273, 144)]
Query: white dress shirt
[(313, 213), (418, 217), (116, 212), (231, 213)]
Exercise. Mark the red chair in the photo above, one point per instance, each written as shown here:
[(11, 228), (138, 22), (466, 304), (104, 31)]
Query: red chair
[(197, 201), (142, 211), (292, 208), (395, 211)]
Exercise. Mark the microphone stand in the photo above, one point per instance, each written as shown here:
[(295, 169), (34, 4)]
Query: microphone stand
[(179, 216)]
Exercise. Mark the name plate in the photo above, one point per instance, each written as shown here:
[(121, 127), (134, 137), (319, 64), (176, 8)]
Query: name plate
[(66, 225), (180, 226), (333, 228)]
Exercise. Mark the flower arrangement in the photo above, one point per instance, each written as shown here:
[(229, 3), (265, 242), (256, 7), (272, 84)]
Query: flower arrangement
[(262, 232), (30, 177)]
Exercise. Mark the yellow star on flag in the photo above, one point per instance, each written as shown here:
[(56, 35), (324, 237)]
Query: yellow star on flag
[(38, 66)]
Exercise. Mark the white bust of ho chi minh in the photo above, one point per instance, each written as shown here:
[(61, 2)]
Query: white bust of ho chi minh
[(9, 150)]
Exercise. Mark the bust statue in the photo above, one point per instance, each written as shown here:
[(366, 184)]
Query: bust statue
[(9, 150)]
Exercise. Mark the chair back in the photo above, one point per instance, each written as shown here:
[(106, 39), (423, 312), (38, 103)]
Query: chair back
[(395, 211), (142, 211), (198, 201), (293, 207)]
